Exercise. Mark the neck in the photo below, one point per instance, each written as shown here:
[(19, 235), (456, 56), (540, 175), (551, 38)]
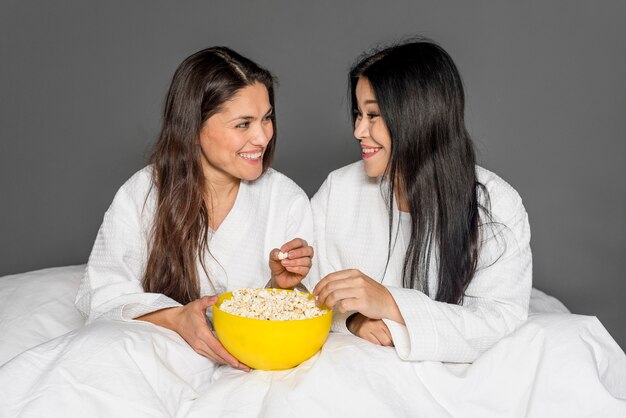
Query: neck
[(222, 190), (220, 185), (220, 195)]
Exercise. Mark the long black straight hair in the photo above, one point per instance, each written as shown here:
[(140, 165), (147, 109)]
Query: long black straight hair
[(420, 95)]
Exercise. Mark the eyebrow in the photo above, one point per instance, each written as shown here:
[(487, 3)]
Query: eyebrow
[(247, 118), (367, 102)]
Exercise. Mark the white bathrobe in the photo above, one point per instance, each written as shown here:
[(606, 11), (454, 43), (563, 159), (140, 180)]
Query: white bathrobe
[(267, 213), (351, 227), (115, 366)]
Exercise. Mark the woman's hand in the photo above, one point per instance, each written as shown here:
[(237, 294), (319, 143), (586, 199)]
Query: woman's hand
[(189, 321), (372, 330), (288, 273), (351, 290)]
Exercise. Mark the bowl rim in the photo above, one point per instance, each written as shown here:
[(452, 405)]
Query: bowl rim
[(221, 299)]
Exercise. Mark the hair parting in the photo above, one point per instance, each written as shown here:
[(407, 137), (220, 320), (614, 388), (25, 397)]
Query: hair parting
[(202, 83)]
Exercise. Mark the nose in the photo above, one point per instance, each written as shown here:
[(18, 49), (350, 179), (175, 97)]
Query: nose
[(263, 135), (361, 128)]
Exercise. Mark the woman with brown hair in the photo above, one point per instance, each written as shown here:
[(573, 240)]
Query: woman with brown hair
[(203, 217), (207, 215)]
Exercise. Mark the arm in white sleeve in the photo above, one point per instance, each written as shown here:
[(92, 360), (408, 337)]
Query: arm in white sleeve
[(111, 287), (321, 263), (495, 302)]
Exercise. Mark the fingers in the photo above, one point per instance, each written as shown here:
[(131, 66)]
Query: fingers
[(372, 337), (300, 271), (293, 244), (300, 252), (275, 264), (298, 262), (200, 344), (387, 339), (219, 360), (376, 332), (293, 271), (218, 349), (274, 254), (204, 303), (206, 352), (382, 333), (199, 336), (381, 338), (346, 299), (207, 301), (327, 293), (333, 277)]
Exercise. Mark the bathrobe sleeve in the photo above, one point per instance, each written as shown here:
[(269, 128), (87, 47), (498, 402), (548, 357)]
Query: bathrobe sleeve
[(495, 302), (111, 287)]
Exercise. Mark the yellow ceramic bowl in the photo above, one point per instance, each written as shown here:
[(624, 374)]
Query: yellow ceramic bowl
[(270, 345)]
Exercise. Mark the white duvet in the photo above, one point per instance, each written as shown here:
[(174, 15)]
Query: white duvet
[(555, 365)]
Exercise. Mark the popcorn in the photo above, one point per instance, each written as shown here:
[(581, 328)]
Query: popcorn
[(282, 256), (274, 305)]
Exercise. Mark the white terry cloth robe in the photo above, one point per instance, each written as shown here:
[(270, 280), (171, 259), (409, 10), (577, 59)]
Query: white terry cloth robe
[(267, 213), (352, 232), (117, 366)]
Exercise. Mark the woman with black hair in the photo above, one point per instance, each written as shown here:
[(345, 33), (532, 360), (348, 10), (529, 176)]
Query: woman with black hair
[(418, 247)]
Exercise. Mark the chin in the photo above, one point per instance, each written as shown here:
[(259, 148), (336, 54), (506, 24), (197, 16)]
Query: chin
[(373, 171), (252, 176)]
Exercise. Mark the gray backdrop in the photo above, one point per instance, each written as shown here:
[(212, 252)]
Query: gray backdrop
[(82, 86)]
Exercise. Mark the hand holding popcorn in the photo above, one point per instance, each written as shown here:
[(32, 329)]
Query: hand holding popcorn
[(290, 263)]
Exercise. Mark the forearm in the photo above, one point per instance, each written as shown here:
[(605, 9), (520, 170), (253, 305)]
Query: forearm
[(165, 318), (440, 331)]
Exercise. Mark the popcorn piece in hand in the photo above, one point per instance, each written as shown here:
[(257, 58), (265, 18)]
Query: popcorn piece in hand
[(282, 256)]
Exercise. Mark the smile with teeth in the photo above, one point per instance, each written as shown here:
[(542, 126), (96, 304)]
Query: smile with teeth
[(251, 155), (367, 152)]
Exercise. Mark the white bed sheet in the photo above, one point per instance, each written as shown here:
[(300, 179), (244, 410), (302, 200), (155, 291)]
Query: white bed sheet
[(556, 364), (36, 307)]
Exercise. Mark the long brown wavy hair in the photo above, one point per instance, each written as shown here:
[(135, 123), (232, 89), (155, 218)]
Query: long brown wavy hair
[(201, 85)]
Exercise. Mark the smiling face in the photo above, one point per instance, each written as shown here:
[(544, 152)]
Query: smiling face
[(371, 131), (233, 140)]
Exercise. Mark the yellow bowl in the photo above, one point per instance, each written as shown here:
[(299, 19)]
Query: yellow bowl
[(270, 345)]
